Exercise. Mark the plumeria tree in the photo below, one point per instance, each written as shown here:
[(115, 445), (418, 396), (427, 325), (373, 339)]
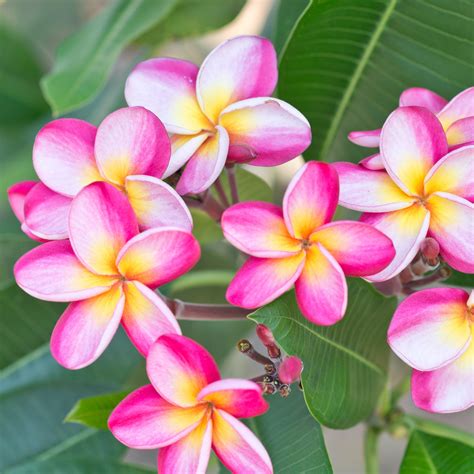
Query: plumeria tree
[(152, 225)]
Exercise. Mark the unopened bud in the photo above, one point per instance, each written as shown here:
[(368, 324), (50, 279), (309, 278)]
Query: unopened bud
[(284, 390), (290, 370), (269, 389), (246, 348), (266, 336), (429, 248)]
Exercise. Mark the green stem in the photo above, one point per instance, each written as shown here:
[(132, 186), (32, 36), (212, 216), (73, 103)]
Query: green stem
[(400, 390), (371, 450)]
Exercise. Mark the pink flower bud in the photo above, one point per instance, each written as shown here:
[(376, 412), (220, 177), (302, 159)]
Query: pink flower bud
[(265, 335), (429, 248), (290, 370)]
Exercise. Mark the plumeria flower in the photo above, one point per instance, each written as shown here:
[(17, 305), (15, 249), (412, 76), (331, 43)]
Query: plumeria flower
[(130, 149), (432, 331), (298, 245), (188, 409), (456, 117), (424, 192), (108, 270), (221, 111)]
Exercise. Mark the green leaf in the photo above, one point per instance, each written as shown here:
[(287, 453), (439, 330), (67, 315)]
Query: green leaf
[(95, 411), (427, 454), (347, 62), (12, 247), (205, 229), (464, 280), (346, 364), (85, 59)]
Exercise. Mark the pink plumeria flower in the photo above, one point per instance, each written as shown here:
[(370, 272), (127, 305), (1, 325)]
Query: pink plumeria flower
[(297, 245), (456, 117), (107, 269), (221, 111), (188, 409), (130, 149), (424, 192), (432, 331)]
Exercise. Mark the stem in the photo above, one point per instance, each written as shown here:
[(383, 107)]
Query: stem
[(233, 184), (204, 312), (400, 390), (441, 274), (207, 204), (221, 192), (371, 450)]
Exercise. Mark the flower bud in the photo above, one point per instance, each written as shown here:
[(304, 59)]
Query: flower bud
[(290, 370), (430, 250), (265, 335)]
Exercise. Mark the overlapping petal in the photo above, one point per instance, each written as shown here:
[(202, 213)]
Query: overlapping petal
[(131, 141), (446, 390), (452, 226), (46, 213), (63, 155), (101, 221), (369, 191), (458, 108), (373, 162), (189, 454), (265, 131), (206, 164), (167, 87), (406, 228), (236, 446), (367, 138), (179, 368), (86, 328), (360, 249), (460, 133), (157, 204), (238, 69), (454, 174), (16, 197), (261, 280), (145, 420), (157, 256), (52, 272), (241, 398), (258, 229), (182, 148), (145, 316), (430, 328), (321, 290), (310, 199), (422, 97), (412, 141)]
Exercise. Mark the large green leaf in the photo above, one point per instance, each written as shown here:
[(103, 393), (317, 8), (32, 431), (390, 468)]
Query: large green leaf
[(465, 280), (428, 454), (345, 364), (85, 59), (12, 246), (347, 62)]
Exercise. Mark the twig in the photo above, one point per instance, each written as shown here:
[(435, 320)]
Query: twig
[(233, 184), (221, 192)]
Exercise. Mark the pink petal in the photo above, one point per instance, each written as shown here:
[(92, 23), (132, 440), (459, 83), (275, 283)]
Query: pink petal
[(406, 228), (205, 166), (261, 280), (310, 199), (241, 398), (454, 174), (132, 141), (183, 147), (158, 256), (144, 420), (237, 447), (46, 213), (451, 225), (190, 454), (360, 249), (101, 221), (446, 390), (63, 155), (238, 69), (412, 141), (290, 369), (430, 328), (179, 368), (52, 272), (321, 290), (16, 197), (421, 97), (265, 131), (258, 229), (369, 191), (459, 107), (85, 329), (460, 133), (167, 87), (157, 204), (146, 317), (30, 234), (373, 162), (367, 138)]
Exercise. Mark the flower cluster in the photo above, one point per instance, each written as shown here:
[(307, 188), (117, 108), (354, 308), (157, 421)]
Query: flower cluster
[(113, 231)]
